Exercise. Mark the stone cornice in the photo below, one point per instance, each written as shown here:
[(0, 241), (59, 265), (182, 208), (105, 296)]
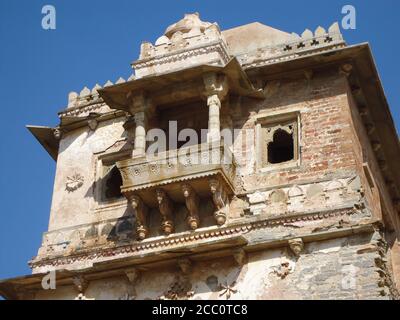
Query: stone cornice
[(259, 62), (76, 111), (217, 46), (179, 241)]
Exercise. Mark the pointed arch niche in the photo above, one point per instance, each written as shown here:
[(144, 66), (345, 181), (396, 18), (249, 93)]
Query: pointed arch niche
[(278, 141)]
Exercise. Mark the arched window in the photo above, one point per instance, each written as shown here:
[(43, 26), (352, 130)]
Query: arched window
[(112, 184), (281, 148)]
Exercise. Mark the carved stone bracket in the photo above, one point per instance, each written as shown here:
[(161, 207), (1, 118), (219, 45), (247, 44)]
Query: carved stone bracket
[(140, 211), (132, 275), (192, 204), (185, 265), (215, 84), (80, 283), (220, 199), (346, 69), (166, 207), (58, 132), (297, 246), (240, 257), (130, 127)]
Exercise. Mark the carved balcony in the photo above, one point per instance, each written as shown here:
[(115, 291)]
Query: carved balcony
[(185, 176)]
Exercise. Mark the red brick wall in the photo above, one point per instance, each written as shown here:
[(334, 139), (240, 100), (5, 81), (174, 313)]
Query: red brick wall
[(326, 137)]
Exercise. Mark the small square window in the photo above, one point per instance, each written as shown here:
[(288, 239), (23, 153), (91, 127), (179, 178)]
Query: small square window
[(277, 140)]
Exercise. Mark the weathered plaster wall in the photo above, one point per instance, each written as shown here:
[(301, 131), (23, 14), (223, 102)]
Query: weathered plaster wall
[(328, 176), (76, 157), (344, 268)]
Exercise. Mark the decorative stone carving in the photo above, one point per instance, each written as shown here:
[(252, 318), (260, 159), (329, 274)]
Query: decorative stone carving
[(74, 182), (263, 224), (132, 275), (166, 207), (185, 265), (93, 123), (189, 41), (283, 270), (180, 289), (220, 199), (297, 246), (140, 210), (346, 69), (130, 128), (192, 204), (227, 290), (240, 257), (57, 133), (191, 23), (80, 283)]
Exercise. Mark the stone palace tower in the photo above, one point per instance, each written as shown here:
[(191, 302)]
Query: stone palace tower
[(301, 201)]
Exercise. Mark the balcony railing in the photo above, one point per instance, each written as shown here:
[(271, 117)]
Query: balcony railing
[(184, 176)]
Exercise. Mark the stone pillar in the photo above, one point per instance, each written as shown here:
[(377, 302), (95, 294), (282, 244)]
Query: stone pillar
[(140, 133), (214, 126), (141, 109), (216, 89)]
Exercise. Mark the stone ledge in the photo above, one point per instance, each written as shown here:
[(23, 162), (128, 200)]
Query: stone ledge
[(184, 240)]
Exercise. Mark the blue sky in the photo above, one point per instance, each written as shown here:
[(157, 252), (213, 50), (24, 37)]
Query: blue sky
[(95, 41)]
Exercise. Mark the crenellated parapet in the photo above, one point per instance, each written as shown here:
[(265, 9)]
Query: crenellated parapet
[(295, 46), (79, 102)]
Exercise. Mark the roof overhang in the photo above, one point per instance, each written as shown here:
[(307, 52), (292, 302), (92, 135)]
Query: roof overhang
[(45, 136), (117, 96)]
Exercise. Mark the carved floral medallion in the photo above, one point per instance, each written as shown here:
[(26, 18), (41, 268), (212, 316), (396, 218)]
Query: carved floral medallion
[(74, 182)]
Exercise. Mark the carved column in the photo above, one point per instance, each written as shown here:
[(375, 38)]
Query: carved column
[(214, 130), (220, 199), (166, 207), (140, 211), (192, 204), (140, 133), (215, 90), (141, 109)]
